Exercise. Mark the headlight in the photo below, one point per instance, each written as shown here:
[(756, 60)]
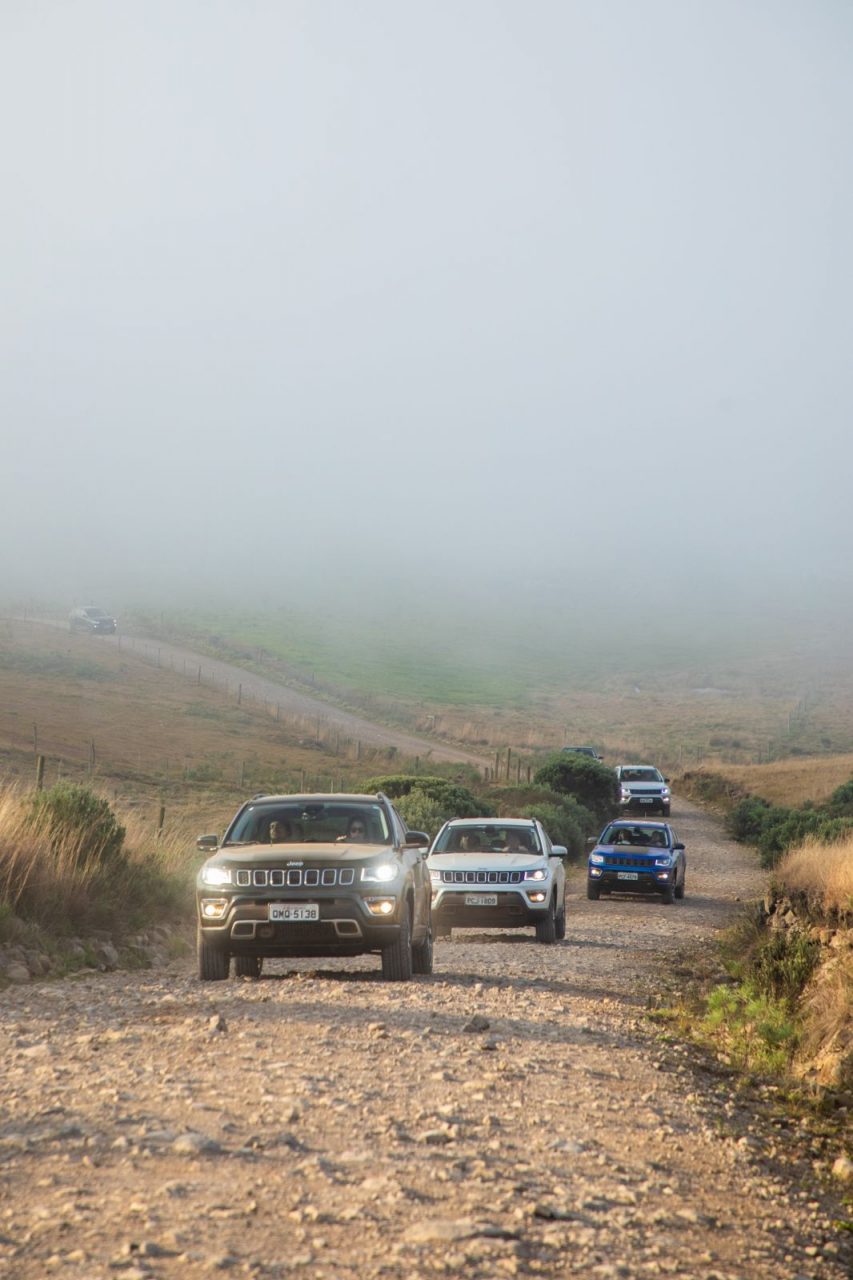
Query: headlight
[(597, 859), (662, 862), (665, 792), (379, 874), (435, 876), (624, 793), (215, 875), (538, 874)]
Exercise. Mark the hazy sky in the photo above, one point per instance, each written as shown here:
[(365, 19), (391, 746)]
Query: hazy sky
[(453, 287)]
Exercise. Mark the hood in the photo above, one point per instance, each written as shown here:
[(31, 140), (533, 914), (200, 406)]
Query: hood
[(484, 861), (295, 853)]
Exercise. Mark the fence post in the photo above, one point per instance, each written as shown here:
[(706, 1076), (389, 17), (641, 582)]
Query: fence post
[(302, 780), (508, 761), (161, 818), (239, 694), (39, 772)]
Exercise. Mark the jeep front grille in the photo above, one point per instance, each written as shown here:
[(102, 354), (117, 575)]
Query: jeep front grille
[(617, 860), (294, 877), (481, 877)]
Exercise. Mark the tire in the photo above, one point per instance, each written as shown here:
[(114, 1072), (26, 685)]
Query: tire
[(593, 891), (668, 895), (397, 959), (679, 888), (665, 811), (422, 955), (546, 930), (248, 966), (213, 961), (561, 923)]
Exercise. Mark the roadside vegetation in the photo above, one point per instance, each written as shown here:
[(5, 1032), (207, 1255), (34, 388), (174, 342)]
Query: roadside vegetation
[(69, 867)]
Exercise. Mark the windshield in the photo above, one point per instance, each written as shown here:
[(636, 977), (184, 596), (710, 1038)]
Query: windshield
[(648, 836), (95, 613), (321, 823), (487, 837), (641, 775)]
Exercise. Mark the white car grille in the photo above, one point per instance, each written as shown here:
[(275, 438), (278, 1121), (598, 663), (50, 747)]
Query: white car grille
[(481, 877)]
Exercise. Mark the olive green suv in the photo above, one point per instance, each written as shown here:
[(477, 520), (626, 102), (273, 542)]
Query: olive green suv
[(314, 875)]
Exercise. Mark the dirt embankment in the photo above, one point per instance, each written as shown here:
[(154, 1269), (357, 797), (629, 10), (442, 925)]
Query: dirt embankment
[(515, 1114)]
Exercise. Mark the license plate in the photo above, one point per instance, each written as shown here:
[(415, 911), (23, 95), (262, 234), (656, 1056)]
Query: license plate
[(627, 875), (294, 911), (646, 800), (481, 899)]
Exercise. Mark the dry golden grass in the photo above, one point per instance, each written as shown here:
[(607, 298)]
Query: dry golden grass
[(52, 881), (791, 782), (822, 872)]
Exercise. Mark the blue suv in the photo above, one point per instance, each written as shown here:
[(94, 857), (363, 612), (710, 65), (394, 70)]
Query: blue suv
[(637, 857)]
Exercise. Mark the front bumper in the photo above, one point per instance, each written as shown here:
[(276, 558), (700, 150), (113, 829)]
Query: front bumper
[(644, 804), (632, 880), (457, 908), (346, 926)]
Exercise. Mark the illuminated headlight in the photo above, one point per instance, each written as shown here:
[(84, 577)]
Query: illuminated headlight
[(379, 874), (214, 908), (215, 875), (537, 897), (664, 793), (597, 859), (625, 793), (662, 862), (596, 871), (538, 874), (380, 906)]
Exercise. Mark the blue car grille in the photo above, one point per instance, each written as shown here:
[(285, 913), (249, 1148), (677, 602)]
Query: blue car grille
[(617, 860), (481, 877), (294, 877)]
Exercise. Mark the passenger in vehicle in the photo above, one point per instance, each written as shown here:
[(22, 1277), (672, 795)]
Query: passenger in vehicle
[(515, 843), (280, 831), (470, 842), (356, 830)]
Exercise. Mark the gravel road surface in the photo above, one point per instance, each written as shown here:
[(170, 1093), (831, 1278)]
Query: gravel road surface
[(515, 1114)]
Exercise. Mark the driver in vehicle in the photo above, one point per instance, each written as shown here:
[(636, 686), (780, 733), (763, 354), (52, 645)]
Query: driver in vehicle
[(356, 830), (280, 831)]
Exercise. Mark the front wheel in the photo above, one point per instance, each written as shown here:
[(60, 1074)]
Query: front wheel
[(397, 958), (213, 960), (546, 930), (593, 892), (668, 895), (561, 922), (679, 888), (248, 966), (665, 811), (422, 954)]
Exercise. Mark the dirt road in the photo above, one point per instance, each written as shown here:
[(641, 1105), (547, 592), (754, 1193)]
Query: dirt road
[(318, 1123), (265, 690)]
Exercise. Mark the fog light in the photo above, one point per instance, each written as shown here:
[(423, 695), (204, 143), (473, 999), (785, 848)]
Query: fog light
[(537, 897), (214, 908), (381, 906), (595, 871), (663, 875)]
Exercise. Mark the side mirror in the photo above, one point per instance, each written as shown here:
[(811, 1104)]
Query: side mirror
[(207, 843), (678, 846), (416, 839), (591, 842), (559, 851)]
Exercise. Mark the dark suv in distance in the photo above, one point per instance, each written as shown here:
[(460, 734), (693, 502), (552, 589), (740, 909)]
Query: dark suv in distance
[(314, 875), (87, 617), (583, 751)]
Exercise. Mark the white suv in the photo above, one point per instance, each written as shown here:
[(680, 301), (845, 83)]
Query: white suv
[(500, 873), (643, 789)]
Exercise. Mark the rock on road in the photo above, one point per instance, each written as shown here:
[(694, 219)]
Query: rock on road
[(320, 1123)]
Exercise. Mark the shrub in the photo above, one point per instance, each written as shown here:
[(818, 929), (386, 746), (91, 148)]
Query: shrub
[(591, 783), (561, 824), (421, 812), (456, 800), (74, 819), (790, 827), (747, 819)]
